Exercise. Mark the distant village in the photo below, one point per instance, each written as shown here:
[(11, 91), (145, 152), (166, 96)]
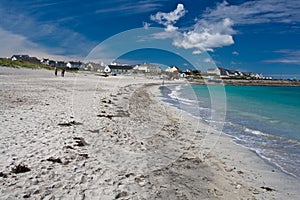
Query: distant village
[(171, 72)]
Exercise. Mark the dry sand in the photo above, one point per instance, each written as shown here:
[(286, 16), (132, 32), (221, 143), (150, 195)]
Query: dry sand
[(90, 137)]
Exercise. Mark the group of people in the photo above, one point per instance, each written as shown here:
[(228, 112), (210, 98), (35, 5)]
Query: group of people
[(62, 71)]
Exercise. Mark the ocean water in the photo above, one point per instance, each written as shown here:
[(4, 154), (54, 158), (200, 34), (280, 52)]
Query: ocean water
[(263, 119)]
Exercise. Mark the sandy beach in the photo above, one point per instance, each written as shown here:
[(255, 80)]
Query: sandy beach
[(84, 136)]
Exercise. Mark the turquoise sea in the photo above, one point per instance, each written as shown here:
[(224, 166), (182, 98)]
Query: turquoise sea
[(263, 119)]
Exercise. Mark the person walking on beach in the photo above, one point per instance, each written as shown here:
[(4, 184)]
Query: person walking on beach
[(63, 71), (55, 71)]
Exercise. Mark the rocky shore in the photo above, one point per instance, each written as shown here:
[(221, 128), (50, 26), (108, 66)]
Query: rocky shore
[(243, 82)]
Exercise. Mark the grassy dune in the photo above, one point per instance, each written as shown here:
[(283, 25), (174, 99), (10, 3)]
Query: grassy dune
[(24, 64)]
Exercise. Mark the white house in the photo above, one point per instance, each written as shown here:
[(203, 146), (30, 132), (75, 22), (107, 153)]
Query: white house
[(73, 65), (121, 69), (147, 68), (107, 69), (20, 57), (183, 75), (94, 67), (172, 69), (226, 73), (25, 58), (257, 76), (214, 71)]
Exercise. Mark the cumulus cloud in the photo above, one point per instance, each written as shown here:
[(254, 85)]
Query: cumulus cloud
[(171, 28), (203, 36), (214, 29), (206, 37), (169, 19)]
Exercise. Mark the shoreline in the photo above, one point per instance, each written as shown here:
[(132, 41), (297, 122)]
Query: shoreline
[(83, 136), (235, 139), (268, 171)]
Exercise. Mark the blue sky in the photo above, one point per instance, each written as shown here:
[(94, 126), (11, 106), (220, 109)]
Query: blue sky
[(257, 35)]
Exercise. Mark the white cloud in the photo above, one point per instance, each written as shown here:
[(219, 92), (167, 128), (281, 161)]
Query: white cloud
[(235, 53), (166, 35), (287, 60), (146, 25), (206, 37), (197, 52), (131, 7), (235, 63), (284, 61), (171, 28), (207, 60), (257, 11), (169, 19), (17, 44), (59, 40), (288, 56), (203, 36)]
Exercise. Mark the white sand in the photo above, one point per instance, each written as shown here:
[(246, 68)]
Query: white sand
[(90, 137)]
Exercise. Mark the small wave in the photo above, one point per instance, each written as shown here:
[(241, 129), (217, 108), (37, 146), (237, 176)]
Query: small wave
[(176, 95), (178, 87), (296, 142), (274, 150), (256, 132), (216, 122), (272, 162), (259, 133), (203, 108), (274, 121), (268, 155)]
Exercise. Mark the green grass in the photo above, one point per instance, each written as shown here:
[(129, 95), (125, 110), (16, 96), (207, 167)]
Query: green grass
[(4, 62)]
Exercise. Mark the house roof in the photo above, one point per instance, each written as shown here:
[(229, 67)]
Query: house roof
[(223, 71), (174, 67), (75, 62), (26, 58), (123, 67), (20, 56)]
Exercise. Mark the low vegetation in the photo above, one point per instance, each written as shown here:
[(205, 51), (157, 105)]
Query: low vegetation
[(4, 62)]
